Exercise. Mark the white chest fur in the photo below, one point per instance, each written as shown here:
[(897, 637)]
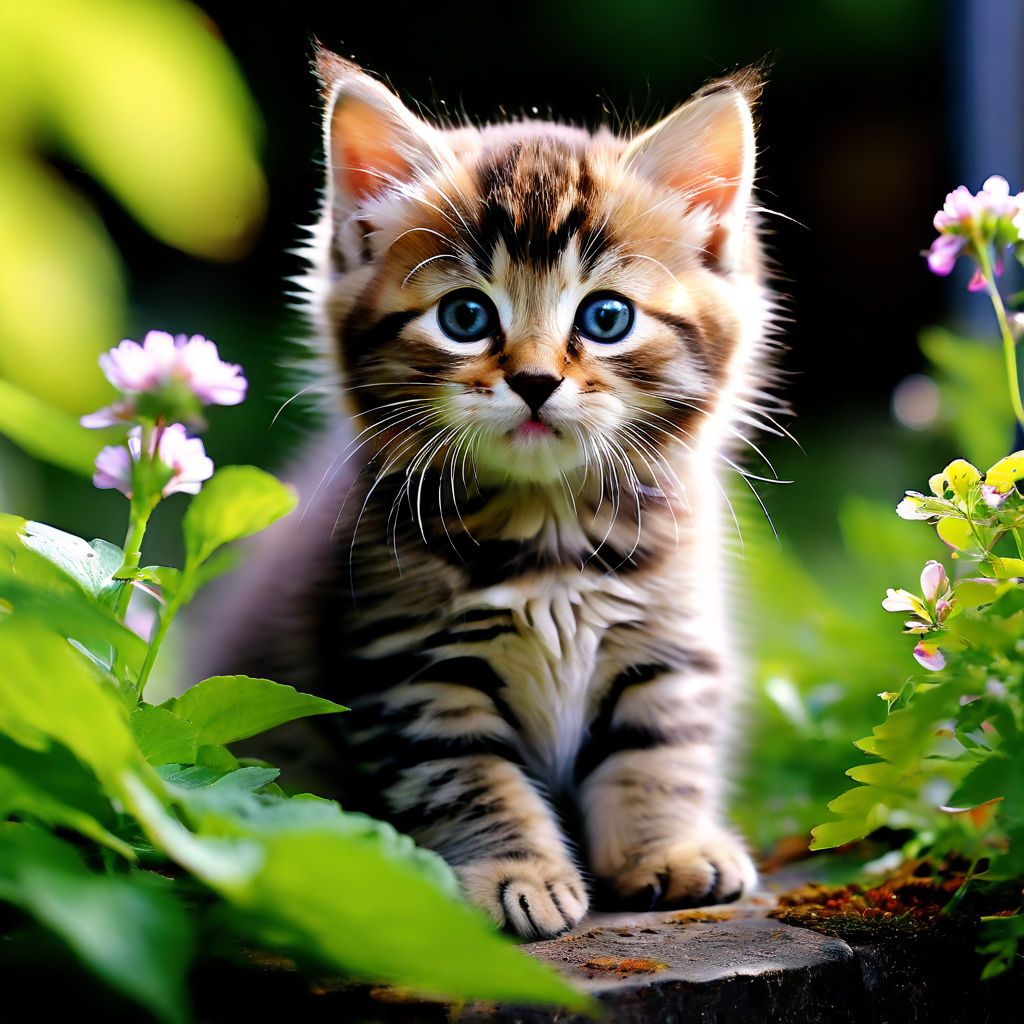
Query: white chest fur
[(551, 662)]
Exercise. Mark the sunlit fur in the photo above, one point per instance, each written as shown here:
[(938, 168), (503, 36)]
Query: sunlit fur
[(529, 626)]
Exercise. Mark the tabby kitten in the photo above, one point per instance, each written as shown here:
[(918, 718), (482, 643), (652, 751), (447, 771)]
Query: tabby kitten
[(545, 338)]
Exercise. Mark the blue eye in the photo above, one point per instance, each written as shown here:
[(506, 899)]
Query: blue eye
[(467, 315), (605, 317)]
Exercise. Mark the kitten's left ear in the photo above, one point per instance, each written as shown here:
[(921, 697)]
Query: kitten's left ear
[(706, 151)]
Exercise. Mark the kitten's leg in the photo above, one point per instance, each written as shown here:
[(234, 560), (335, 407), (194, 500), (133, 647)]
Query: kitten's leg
[(459, 792), (651, 788)]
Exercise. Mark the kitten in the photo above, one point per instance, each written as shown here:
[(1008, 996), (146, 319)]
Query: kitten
[(544, 339)]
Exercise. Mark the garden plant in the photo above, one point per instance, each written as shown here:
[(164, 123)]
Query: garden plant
[(947, 761)]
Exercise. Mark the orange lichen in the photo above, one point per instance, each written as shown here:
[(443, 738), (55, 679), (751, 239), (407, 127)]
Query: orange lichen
[(636, 965), (701, 915)]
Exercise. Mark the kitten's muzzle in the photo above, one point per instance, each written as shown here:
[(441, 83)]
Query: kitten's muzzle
[(533, 388)]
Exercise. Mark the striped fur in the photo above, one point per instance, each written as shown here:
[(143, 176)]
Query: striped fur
[(530, 630)]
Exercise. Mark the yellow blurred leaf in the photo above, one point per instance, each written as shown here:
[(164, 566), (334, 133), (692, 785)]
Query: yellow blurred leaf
[(61, 290), (45, 432), (147, 97)]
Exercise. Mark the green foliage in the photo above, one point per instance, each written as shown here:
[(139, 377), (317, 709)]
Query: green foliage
[(131, 929), (975, 409), (153, 791), (820, 653), (948, 759), (229, 708), (45, 431), (238, 501)]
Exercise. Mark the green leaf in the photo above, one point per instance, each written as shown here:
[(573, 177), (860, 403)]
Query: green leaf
[(998, 776), (162, 736), (36, 587), (1009, 603), (49, 687), (236, 502), (166, 578), (128, 929), (837, 833), (230, 708), (45, 431), (352, 894), (974, 593), (189, 776), (56, 789), (92, 564), (214, 789), (958, 535), (217, 757), (1004, 568), (902, 743)]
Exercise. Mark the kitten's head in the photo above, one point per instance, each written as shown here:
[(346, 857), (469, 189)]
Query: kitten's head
[(533, 298)]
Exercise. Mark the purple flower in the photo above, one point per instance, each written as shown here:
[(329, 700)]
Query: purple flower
[(943, 254), (930, 656), (184, 456), (169, 376), (968, 221), (994, 497)]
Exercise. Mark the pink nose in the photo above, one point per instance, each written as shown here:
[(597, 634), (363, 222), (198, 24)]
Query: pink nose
[(533, 388)]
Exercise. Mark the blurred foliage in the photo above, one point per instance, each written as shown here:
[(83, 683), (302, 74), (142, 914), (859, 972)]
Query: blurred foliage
[(145, 98), (821, 647), (975, 411)]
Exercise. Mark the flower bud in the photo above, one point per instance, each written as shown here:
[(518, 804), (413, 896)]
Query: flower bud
[(933, 581)]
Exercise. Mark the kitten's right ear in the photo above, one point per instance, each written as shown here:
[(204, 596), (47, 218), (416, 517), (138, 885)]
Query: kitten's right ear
[(373, 144)]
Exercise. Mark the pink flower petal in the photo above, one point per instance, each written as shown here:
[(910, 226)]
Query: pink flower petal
[(163, 361), (942, 256), (114, 469), (187, 458), (933, 581), (109, 416), (993, 497), (930, 656)]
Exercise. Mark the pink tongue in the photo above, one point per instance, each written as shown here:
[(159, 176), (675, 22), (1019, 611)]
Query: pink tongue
[(534, 427)]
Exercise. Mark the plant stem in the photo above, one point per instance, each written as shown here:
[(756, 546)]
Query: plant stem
[(166, 618), (1009, 342), (137, 522)]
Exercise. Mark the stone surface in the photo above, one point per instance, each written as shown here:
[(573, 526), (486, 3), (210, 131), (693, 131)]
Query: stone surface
[(718, 964), (715, 965)]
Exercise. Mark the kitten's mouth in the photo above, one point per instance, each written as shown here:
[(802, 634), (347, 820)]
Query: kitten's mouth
[(534, 428)]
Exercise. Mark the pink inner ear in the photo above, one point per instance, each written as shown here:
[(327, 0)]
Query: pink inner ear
[(714, 174), (365, 150)]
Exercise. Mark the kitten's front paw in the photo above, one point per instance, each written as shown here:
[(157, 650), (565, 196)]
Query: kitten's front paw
[(710, 865), (533, 898)]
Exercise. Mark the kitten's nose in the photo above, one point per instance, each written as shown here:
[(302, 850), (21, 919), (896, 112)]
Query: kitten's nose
[(533, 388)]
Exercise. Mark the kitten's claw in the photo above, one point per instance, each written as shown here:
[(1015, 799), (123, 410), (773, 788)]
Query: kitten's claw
[(533, 898), (712, 867)]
